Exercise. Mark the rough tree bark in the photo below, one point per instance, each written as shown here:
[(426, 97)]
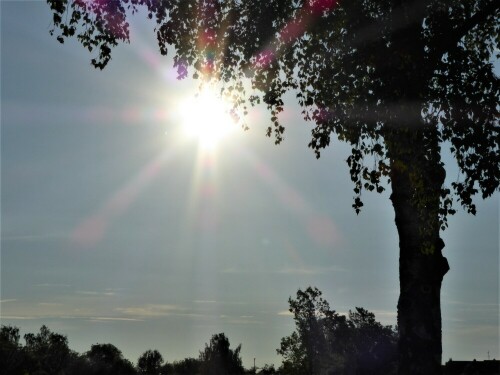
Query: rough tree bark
[(416, 180), (417, 177)]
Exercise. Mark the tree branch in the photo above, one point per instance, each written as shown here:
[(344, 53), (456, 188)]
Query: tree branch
[(452, 39)]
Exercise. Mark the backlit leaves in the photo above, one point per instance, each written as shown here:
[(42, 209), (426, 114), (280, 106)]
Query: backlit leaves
[(361, 70)]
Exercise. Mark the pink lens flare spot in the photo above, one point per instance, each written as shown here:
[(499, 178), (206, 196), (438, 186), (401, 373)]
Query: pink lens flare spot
[(151, 58), (292, 30), (208, 37), (91, 231), (323, 231), (265, 57), (319, 6)]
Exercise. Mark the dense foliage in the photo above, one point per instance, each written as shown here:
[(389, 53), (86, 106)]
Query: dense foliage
[(359, 68), (326, 342), (219, 359)]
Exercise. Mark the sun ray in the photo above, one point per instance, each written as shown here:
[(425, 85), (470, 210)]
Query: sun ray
[(93, 229), (319, 226)]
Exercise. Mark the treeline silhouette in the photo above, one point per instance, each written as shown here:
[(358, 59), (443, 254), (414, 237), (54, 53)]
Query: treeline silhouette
[(324, 342)]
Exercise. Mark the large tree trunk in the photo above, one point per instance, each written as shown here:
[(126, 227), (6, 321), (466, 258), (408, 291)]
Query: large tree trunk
[(417, 177)]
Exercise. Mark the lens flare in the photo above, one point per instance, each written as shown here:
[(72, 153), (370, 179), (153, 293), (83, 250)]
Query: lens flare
[(207, 117)]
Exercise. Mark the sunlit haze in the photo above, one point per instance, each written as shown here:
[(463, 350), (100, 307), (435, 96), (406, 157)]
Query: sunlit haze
[(113, 232)]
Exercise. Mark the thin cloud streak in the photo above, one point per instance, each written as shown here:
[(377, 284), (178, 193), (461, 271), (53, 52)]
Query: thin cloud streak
[(286, 270), (94, 293), (150, 310), (112, 319), (33, 237)]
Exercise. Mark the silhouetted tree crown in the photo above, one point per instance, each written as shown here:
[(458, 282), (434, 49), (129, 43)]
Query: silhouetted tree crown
[(219, 359), (12, 358), (150, 362), (326, 342), (48, 351), (107, 359), (349, 61), (186, 366)]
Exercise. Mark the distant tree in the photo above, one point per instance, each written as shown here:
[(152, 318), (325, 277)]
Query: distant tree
[(374, 344), (48, 352), (188, 366), (326, 342), (150, 362), (78, 364), (167, 369), (9, 335), (12, 357), (310, 349), (397, 80), (107, 359), (267, 370), (218, 359)]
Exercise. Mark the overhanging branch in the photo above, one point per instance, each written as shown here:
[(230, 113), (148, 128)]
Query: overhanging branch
[(453, 37)]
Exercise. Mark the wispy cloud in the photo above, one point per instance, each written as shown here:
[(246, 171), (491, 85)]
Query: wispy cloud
[(112, 319), (285, 313), (470, 305), (95, 293), (150, 310), (33, 237), (308, 270), (8, 300), (49, 304), (232, 270), (13, 317), (52, 285), (213, 302), (244, 319), (484, 330), (287, 270)]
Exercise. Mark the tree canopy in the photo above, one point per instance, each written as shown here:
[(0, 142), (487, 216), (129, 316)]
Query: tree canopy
[(326, 342), (350, 63), (219, 359), (150, 362), (47, 353)]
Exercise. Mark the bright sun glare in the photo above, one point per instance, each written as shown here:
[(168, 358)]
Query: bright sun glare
[(207, 117)]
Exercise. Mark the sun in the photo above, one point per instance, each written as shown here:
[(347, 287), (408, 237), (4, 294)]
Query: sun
[(207, 117)]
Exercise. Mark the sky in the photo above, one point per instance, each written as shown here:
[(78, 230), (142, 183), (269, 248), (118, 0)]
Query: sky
[(118, 228)]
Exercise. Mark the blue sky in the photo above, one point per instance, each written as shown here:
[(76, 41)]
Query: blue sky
[(116, 228)]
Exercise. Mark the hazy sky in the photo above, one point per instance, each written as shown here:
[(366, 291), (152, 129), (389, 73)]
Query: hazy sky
[(116, 228)]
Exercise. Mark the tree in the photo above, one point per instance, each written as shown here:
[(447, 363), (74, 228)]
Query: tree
[(107, 359), (326, 342), (48, 352), (187, 366), (12, 358), (396, 79), (267, 370), (309, 349), (218, 359), (374, 344), (150, 362)]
